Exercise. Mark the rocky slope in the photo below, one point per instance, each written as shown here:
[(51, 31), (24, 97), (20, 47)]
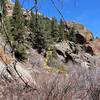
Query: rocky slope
[(67, 71)]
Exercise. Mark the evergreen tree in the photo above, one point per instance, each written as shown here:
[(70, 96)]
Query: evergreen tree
[(3, 6), (61, 30), (38, 37), (72, 36), (63, 34), (31, 28), (54, 30), (32, 22), (8, 25), (47, 30), (18, 30)]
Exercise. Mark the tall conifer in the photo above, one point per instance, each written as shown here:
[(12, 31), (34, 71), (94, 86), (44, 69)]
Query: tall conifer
[(18, 31)]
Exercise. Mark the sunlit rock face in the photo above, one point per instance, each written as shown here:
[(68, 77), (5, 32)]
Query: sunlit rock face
[(93, 47), (82, 34), (9, 8)]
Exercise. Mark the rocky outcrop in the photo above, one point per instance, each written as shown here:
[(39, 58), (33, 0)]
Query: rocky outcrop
[(93, 47), (71, 54), (82, 34), (9, 7)]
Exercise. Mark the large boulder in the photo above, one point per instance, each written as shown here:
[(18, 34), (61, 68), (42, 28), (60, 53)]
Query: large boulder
[(82, 34), (93, 47)]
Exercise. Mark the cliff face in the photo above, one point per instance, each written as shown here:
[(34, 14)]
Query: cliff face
[(83, 35)]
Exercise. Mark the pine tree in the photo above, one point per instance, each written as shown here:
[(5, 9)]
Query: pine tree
[(18, 30), (8, 25), (72, 33), (31, 28), (38, 36), (47, 30), (61, 30), (54, 30), (3, 6), (63, 34), (32, 22)]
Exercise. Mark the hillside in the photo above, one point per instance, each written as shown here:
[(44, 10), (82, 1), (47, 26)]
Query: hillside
[(43, 59)]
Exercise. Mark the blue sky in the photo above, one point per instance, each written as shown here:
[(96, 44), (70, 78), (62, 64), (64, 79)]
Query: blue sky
[(86, 12)]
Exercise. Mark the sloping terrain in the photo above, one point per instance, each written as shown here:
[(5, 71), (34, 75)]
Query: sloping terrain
[(69, 69), (32, 80)]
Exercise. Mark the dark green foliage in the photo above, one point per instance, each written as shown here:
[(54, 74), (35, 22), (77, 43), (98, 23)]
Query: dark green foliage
[(63, 34), (3, 6), (39, 41), (32, 22), (17, 29), (45, 32), (20, 52), (46, 25), (71, 35), (31, 28), (37, 37), (8, 25), (54, 30)]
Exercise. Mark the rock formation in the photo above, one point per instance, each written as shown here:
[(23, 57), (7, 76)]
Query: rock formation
[(82, 34), (9, 7), (93, 47)]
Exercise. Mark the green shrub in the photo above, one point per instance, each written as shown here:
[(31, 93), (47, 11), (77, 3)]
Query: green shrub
[(20, 52)]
